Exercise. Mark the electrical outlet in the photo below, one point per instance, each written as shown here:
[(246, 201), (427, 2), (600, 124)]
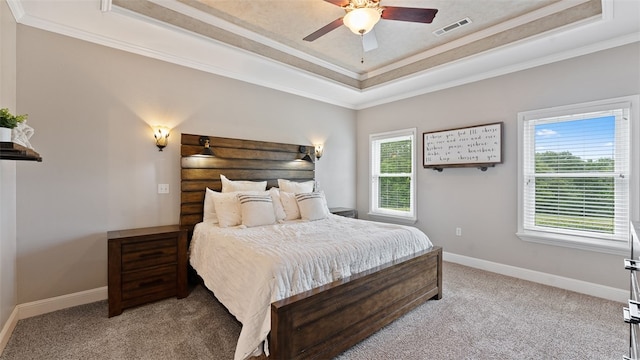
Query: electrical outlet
[(458, 231), (163, 188)]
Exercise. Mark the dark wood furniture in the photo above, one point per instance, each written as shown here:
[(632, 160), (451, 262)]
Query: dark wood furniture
[(346, 212), (327, 320), (13, 151), (323, 322), (632, 313), (237, 160), (145, 265)]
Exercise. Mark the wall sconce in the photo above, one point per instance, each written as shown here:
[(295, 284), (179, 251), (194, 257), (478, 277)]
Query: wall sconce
[(319, 150), (161, 133), (204, 141)]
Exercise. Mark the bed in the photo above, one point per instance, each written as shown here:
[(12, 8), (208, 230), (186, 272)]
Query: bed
[(304, 319)]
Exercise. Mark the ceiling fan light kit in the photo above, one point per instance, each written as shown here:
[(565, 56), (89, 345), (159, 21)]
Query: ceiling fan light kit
[(361, 21)]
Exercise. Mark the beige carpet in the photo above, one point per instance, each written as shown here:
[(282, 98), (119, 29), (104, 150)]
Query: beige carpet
[(481, 316)]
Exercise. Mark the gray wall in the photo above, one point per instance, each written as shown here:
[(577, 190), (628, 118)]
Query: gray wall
[(484, 204), (8, 291), (92, 107)]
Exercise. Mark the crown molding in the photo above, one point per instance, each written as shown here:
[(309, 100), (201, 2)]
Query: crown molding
[(16, 9), (86, 20)]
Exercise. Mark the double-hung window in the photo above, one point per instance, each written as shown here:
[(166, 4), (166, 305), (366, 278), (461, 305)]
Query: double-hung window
[(392, 190), (576, 186)]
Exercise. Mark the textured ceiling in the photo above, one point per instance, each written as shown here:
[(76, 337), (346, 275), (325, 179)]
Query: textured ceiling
[(275, 28)]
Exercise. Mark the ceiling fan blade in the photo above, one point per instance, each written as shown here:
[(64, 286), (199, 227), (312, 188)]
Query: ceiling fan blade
[(340, 3), (369, 41), (323, 30), (409, 14)]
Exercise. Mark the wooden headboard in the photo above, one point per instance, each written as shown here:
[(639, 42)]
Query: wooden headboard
[(236, 159)]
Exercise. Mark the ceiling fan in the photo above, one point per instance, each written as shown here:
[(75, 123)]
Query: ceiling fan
[(362, 15)]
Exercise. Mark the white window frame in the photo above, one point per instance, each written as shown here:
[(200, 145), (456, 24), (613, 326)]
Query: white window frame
[(579, 241), (374, 168)]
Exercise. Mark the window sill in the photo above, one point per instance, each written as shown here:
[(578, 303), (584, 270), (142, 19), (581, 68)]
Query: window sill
[(391, 218), (576, 242)]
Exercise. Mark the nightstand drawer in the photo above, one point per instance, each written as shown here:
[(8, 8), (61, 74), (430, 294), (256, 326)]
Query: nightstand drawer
[(149, 253), (139, 283)]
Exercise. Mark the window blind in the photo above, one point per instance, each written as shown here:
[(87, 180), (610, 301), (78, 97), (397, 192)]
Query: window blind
[(392, 173), (576, 173)]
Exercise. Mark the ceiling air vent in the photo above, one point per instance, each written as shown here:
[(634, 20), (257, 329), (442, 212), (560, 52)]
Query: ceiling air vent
[(453, 26)]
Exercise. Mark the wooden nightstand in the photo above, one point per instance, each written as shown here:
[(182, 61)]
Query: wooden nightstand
[(346, 212), (145, 265)]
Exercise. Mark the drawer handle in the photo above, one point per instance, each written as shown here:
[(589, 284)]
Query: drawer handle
[(155, 253), (151, 283)]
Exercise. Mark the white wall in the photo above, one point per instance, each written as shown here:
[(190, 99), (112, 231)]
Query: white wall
[(484, 204), (91, 108), (8, 292)]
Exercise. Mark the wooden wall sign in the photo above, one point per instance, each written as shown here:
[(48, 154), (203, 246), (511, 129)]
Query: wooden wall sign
[(474, 146)]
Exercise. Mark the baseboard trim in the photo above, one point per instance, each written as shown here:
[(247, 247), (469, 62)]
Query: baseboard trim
[(583, 287), (7, 329), (40, 307)]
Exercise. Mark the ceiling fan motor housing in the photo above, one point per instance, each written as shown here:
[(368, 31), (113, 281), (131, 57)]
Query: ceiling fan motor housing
[(359, 4)]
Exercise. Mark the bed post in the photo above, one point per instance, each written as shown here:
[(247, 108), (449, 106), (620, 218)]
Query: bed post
[(439, 295)]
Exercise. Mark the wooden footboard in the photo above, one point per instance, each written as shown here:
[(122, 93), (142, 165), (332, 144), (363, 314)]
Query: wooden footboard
[(323, 322)]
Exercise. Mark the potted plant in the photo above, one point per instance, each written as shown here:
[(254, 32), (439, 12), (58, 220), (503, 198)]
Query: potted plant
[(9, 121)]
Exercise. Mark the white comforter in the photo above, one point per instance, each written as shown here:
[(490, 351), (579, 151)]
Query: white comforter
[(249, 268)]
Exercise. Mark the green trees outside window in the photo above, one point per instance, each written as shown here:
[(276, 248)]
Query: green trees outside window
[(584, 203), (392, 191), (395, 188)]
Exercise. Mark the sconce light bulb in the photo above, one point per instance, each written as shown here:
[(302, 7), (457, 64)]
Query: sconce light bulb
[(319, 150)]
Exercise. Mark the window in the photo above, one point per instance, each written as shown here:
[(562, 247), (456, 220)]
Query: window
[(575, 180), (393, 174)]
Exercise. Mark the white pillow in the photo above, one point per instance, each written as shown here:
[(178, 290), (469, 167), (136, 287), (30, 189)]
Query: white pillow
[(277, 204), (256, 209), (227, 209), (295, 187), (313, 206), (234, 185), (209, 209), (290, 205)]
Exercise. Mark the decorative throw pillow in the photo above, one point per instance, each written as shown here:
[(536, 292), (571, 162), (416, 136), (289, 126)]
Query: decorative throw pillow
[(256, 209), (209, 209), (235, 185), (290, 205), (296, 187), (227, 209), (277, 204), (313, 206)]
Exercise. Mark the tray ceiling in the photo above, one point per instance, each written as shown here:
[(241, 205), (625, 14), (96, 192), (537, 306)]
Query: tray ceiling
[(275, 29)]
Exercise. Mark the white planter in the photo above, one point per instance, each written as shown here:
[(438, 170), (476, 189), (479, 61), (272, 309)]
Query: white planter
[(5, 134)]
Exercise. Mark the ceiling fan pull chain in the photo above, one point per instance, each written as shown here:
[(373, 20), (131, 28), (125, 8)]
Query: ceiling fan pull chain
[(362, 48)]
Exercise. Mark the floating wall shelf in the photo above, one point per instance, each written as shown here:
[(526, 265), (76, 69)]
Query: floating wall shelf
[(13, 151)]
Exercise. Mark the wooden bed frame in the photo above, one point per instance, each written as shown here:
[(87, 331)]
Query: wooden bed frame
[(322, 322)]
